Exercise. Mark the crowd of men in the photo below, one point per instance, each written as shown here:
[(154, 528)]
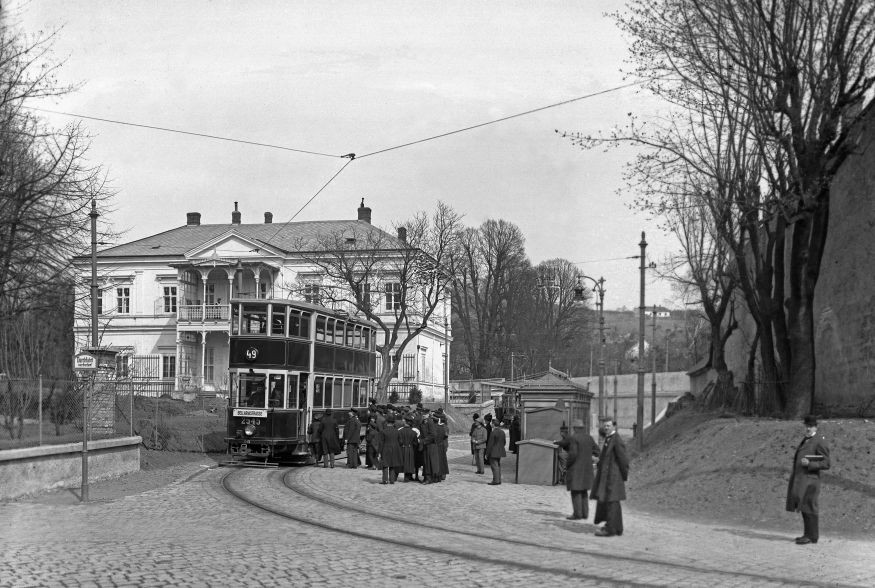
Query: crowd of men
[(399, 440)]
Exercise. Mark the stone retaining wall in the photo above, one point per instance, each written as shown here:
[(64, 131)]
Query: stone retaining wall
[(37, 469)]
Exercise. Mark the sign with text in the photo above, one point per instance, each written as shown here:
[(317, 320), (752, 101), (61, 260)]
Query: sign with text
[(250, 412), (84, 362)]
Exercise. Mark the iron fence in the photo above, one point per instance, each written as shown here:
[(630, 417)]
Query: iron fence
[(50, 412)]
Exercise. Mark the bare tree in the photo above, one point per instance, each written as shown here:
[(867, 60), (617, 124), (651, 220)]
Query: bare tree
[(489, 264), (398, 283)]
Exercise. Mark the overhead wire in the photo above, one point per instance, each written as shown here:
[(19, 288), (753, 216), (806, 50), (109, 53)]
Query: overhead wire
[(181, 132)]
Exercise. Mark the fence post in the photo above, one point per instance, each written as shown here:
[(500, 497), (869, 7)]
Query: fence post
[(131, 420), (40, 409), (156, 420)]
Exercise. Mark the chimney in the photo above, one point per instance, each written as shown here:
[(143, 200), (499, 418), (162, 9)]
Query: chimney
[(193, 219), (235, 216), (364, 213), (268, 218), (402, 234)]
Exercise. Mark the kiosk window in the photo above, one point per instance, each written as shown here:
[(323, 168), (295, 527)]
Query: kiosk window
[(278, 320)]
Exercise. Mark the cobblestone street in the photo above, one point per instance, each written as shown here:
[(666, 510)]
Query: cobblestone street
[(462, 532)]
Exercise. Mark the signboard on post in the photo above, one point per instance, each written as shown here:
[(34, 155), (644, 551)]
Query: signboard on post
[(84, 362)]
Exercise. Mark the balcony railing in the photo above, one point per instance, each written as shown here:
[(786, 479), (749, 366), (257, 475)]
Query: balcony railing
[(197, 313)]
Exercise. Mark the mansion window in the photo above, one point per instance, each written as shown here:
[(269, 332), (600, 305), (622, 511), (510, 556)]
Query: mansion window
[(209, 365), (393, 296), (123, 300), (168, 366), (169, 299), (210, 295), (311, 293)]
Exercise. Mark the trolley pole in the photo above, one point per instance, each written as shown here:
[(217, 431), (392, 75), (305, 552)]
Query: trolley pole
[(653, 379), (640, 413)]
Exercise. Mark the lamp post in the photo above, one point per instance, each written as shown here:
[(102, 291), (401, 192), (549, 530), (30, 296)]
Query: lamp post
[(598, 288), (653, 378)]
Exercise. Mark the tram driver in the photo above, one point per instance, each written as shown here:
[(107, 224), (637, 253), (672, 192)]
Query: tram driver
[(257, 397)]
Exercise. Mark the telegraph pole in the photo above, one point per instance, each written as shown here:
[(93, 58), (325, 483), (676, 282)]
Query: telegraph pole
[(653, 379), (640, 415), (86, 396)]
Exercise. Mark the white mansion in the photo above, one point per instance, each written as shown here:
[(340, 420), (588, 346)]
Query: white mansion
[(164, 301)]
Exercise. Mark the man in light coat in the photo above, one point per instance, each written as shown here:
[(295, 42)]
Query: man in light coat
[(495, 451), (478, 437), (581, 450), (811, 458), (609, 486)]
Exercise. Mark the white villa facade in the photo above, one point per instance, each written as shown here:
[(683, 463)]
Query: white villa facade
[(164, 301)]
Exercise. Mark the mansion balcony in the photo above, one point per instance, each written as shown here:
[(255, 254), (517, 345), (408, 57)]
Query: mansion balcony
[(211, 317)]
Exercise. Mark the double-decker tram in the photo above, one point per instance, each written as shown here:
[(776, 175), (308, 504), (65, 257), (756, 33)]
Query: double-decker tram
[(289, 362)]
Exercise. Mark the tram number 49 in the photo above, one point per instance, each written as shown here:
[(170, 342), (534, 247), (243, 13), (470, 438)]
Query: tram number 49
[(252, 354)]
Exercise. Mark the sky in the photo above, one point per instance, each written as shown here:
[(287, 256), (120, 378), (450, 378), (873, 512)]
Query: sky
[(359, 77)]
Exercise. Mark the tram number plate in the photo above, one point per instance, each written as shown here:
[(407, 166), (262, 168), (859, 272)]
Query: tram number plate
[(250, 412)]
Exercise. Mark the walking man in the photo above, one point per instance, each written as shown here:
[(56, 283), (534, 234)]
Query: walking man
[(390, 452), (373, 443), (352, 436), (578, 473), (609, 487), (812, 457), (495, 451)]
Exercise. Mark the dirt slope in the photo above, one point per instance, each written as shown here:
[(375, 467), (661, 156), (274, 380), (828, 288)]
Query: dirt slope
[(732, 469)]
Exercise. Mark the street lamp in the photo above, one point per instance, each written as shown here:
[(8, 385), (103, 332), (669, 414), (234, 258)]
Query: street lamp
[(641, 369), (598, 288)]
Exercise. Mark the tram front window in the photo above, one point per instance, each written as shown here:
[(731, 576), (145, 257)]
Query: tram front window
[(252, 391), (277, 386)]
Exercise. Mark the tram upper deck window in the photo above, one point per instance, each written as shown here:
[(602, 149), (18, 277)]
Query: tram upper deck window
[(277, 390), (320, 328), (357, 337), (329, 331), (367, 335), (305, 325), (235, 319), (278, 320), (350, 330), (338, 332), (294, 323), (254, 319)]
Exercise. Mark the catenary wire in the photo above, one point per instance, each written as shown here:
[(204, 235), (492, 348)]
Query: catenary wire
[(609, 90), (351, 159), (156, 128)]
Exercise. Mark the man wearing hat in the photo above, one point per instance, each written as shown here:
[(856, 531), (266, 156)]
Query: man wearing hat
[(329, 437), (409, 444), (352, 436), (495, 451), (581, 449), (609, 486), (390, 452), (812, 457), (373, 441)]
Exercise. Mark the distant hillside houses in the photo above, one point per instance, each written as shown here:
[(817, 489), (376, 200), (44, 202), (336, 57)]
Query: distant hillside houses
[(661, 312)]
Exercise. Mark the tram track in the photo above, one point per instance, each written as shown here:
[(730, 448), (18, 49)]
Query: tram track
[(459, 539)]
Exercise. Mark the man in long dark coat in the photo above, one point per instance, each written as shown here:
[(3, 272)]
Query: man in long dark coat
[(811, 458), (440, 442), (329, 437), (373, 440), (420, 451), (609, 486), (390, 452), (430, 459), (352, 432), (495, 450), (409, 445), (581, 449), (487, 422), (514, 433)]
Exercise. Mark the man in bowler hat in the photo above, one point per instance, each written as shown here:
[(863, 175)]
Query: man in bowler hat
[(811, 458), (581, 449), (495, 443), (352, 436)]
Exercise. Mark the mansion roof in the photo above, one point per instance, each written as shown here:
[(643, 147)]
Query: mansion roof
[(287, 238)]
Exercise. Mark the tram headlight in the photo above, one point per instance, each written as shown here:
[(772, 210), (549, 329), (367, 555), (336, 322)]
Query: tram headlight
[(249, 430)]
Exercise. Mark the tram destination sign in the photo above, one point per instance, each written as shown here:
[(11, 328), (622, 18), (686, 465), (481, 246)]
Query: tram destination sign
[(250, 412), (84, 362)]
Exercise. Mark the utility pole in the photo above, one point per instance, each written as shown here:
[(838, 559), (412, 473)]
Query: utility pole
[(653, 380), (86, 395), (598, 288), (616, 369), (640, 412)]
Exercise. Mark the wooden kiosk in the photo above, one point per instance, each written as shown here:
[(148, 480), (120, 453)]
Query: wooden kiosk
[(547, 402)]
